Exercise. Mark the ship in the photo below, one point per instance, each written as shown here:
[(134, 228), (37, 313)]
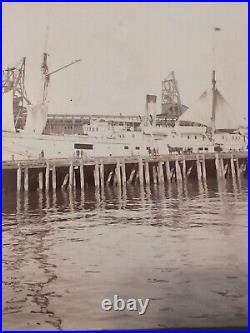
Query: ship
[(97, 136)]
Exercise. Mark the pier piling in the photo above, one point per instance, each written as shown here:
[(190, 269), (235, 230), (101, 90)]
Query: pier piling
[(40, 180), (26, 179), (19, 178), (47, 172)]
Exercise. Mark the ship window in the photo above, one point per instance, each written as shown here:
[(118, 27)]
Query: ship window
[(188, 137), (206, 148), (195, 137), (83, 146), (125, 147), (137, 148)]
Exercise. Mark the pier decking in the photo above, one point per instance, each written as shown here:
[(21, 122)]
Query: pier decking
[(52, 174)]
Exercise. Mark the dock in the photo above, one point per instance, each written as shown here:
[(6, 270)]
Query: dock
[(70, 173)]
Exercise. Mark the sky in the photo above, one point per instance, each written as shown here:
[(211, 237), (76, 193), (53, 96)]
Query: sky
[(127, 49)]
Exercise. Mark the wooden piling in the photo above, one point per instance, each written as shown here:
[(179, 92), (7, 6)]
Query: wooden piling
[(232, 167), (168, 172), (204, 171), (178, 171), (109, 177), (189, 170), (65, 181), (140, 171), (71, 175), (124, 180), (54, 177), (198, 166), (184, 169), (237, 167), (26, 179), (102, 174), (47, 172), (118, 173), (147, 175), (40, 180), (81, 176), (217, 165), (160, 172), (97, 176), (222, 167), (131, 177), (19, 178), (154, 168)]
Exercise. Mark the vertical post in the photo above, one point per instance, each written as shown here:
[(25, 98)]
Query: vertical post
[(118, 173), (154, 174), (198, 166), (184, 169), (47, 177), (178, 171), (26, 179), (160, 172), (204, 171), (102, 174), (19, 178), (54, 177), (123, 174), (140, 169), (81, 176), (222, 167), (232, 167), (109, 177), (168, 172), (65, 181), (131, 177), (97, 176), (40, 180), (147, 176), (217, 165), (238, 167), (71, 175)]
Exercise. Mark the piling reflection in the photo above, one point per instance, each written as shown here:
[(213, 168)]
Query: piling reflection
[(169, 241)]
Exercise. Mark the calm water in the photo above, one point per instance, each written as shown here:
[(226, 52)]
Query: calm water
[(184, 247)]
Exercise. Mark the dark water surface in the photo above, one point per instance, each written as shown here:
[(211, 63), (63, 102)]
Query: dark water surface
[(184, 247)]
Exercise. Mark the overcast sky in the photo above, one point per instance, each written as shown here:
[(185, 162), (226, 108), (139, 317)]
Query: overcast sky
[(126, 51)]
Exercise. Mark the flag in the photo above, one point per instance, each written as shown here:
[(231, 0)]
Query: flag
[(217, 29)]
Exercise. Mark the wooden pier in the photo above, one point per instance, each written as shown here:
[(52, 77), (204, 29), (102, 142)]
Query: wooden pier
[(54, 174)]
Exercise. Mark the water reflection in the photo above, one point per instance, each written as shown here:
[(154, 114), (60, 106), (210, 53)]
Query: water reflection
[(183, 245)]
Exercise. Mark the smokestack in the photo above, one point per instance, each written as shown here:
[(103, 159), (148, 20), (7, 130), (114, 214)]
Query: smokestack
[(151, 109)]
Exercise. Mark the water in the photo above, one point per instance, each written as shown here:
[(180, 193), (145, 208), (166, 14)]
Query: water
[(184, 247)]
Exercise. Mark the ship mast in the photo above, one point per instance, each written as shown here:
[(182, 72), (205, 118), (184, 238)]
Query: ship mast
[(213, 103), (46, 75)]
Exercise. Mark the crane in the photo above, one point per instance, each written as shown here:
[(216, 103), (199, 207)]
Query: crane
[(46, 75)]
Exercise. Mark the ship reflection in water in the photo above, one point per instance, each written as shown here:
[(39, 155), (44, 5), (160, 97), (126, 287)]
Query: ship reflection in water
[(184, 247)]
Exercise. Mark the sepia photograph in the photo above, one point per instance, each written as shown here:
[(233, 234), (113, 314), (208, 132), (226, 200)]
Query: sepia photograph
[(124, 166)]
